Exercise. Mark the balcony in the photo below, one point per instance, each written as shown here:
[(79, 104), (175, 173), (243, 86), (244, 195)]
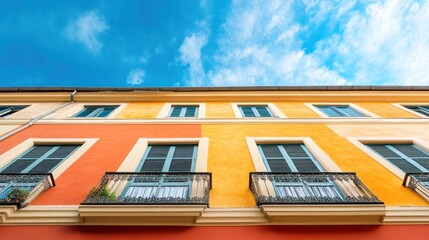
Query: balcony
[(310, 188), (315, 198), (418, 182), (21, 188), (143, 188)]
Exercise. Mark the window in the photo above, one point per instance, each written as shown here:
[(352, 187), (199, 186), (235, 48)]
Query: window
[(40, 159), (255, 111), (424, 110), (297, 158), (339, 111), (407, 157), (164, 158), (183, 111), (96, 111), (8, 110)]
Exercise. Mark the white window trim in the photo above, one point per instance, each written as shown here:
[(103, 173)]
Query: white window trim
[(402, 106), (77, 107), (354, 106), (86, 144), (134, 157), (361, 141), (271, 106), (167, 107), (29, 108), (324, 160)]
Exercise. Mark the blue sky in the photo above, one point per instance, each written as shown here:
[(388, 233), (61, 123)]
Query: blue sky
[(214, 43)]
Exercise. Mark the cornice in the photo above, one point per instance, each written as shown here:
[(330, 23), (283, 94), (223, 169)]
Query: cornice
[(185, 215), (298, 95)]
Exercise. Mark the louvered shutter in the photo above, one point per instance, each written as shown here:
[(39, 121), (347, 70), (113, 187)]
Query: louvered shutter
[(40, 159), (155, 159), (394, 158), (52, 160), (25, 160), (182, 158), (274, 158), (302, 161)]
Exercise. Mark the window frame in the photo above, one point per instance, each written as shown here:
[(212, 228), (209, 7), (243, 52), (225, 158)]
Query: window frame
[(86, 143), (91, 115), (7, 114), (274, 110), (313, 106), (361, 142), (167, 108), (323, 159), (136, 154), (169, 157), (403, 107), (184, 109)]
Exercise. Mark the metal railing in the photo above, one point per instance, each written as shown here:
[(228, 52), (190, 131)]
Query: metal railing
[(20, 188), (418, 182), (151, 188), (310, 188)]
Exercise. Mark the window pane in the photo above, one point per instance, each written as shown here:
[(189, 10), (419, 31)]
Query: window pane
[(176, 111), (329, 111), (247, 111), (263, 111)]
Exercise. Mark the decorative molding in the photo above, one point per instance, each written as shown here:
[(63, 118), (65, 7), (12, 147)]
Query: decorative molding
[(207, 96), (342, 121), (140, 214), (325, 214), (407, 215), (198, 215)]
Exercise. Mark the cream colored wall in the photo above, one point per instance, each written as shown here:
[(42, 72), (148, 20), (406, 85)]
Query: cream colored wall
[(6, 128), (33, 110)]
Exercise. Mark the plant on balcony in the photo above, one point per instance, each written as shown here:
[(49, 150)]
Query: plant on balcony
[(18, 196), (102, 192)]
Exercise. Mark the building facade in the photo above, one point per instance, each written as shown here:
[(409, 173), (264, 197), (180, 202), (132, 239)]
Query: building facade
[(215, 163)]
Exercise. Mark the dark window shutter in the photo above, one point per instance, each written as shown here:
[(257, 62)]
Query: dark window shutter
[(152, 165), (247, 111), (18, 166), (176, 112), (46, 166), (191, 111), (263, 111), (63, 151)]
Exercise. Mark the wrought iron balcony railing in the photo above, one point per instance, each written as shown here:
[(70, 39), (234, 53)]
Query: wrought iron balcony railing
[(154, 188), (419, 182), (20, 188), (310, 188)]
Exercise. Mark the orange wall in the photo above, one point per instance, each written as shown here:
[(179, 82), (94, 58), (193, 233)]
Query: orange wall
[(416, 232), (115, 142)]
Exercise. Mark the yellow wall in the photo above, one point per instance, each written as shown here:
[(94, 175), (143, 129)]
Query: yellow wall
[(296, 110), (386, 110), (141, 110), (230, 162), (219, 110)]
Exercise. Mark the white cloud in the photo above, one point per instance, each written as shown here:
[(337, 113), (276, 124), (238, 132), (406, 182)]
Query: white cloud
[(85, 30), (387, 43), (136, 76), (261, 46), (190, 55)]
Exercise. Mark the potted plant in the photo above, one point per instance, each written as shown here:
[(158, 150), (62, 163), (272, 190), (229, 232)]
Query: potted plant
[(18, 196)]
